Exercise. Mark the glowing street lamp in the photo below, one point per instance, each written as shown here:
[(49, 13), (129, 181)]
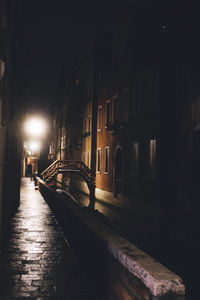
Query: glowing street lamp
[(34, 146), (35, 127)]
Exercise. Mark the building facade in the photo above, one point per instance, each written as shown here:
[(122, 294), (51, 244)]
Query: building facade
[(127, 118), (10, 112)]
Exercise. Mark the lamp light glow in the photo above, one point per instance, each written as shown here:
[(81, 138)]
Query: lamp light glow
[(35, 127), (34, 146)]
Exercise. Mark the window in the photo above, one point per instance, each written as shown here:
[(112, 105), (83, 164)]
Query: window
[(50, 149), (152, 158), (117, 108), (99, 118), (135, 159), (108, 113), (106, 160), (83, 157), (88, 159), (62, 142), (67, 140), (89, 124), (84, 126), (98, 160)]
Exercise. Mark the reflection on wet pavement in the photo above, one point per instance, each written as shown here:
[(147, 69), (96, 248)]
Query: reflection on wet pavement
[(38, 262)]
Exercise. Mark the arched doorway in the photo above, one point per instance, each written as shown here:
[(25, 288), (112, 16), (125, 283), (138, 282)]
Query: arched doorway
[(118, 171)]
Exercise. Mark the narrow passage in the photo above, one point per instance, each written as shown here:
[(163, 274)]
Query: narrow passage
[(38, 262)]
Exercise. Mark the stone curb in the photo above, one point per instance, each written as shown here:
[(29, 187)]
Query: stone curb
[(156, 277)]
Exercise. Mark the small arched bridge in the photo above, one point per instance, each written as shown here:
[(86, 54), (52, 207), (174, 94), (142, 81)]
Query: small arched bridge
[(72, 166)]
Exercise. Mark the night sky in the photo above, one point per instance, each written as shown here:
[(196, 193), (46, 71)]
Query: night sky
[(57, 32)]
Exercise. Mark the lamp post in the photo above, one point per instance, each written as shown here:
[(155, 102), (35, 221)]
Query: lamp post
[(35, 129)]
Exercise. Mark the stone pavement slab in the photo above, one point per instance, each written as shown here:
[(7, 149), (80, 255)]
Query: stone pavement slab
[(38, 262)]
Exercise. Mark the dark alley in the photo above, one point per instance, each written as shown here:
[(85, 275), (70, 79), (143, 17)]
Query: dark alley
[(99, 150)]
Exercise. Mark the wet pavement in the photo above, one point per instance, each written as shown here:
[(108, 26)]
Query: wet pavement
[(38, 262)]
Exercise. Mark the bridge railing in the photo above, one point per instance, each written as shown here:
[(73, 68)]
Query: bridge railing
[(48, 171), (62, 166), (86, 173)]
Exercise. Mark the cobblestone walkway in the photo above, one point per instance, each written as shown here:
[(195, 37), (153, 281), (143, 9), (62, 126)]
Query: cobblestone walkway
[(38, 263)]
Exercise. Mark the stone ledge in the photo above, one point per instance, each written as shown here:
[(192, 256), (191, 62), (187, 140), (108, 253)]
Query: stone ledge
[(160, 281)]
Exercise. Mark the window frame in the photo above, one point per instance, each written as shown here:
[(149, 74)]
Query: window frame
[(99, 118), (108, 122), (84, 126), (83, 157), (89, 124), (114, 108), (98, 160), (108, 160), (135, 158), (88, 159), (152, 158)]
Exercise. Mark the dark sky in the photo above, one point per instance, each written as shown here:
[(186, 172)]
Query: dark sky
[(48, 40), (57, 31)]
